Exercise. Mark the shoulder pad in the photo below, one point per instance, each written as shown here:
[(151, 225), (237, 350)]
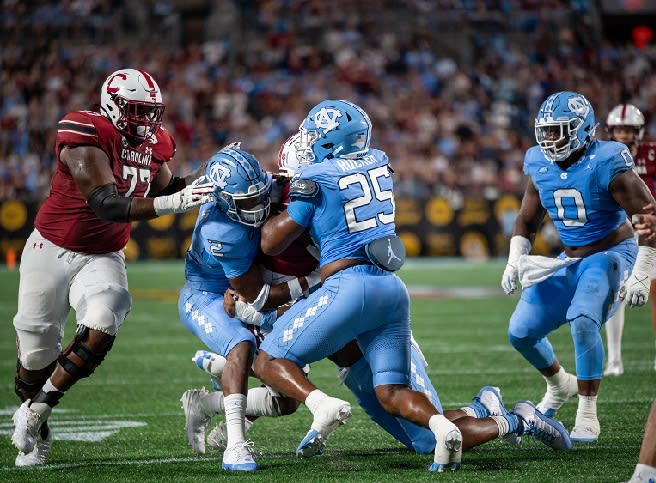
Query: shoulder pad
[(304, 188)]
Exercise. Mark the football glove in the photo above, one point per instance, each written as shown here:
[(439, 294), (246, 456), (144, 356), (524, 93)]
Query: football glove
[(518, 246), (191, 196)]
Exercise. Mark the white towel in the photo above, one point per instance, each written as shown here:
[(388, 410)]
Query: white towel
[(535, 268)]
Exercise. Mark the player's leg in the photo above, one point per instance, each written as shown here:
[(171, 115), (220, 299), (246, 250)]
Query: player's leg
[(599, 277), (541, 310), (311, 330), (614, 329), (386, 348), (645, 470), (98, 293), (202, 313)]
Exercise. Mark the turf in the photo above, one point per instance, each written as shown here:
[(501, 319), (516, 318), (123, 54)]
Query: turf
[(125, 422)]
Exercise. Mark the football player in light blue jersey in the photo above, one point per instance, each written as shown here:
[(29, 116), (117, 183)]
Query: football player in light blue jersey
[(224, 244), (344, 196), (587, 187)]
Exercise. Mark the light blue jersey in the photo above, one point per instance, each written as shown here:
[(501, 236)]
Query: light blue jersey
[(353, 204), (577, 199), (582, 294), (346, 203), (221, 249)]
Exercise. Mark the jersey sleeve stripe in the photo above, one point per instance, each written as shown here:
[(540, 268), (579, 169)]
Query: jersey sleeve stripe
[(74, 127)]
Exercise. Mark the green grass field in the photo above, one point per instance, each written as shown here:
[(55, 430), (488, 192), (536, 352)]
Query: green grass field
[(125, 422)]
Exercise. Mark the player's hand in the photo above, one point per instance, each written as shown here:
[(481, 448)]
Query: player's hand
[(191, 196), (229, 298), (509, 279), (636, 290), (277, 187)]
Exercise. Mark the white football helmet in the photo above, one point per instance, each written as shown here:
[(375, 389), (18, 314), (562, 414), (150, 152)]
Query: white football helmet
[(289, 159), (626, 115), (132, 100)]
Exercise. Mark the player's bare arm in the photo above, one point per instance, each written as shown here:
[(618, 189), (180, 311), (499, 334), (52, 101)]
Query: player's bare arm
[(278, 233), (250, 287), (530, 214), (631, 193), (90, 168)]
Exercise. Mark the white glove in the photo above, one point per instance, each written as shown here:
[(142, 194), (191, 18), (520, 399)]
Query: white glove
[(636, 290), (209, 362), (518, 246), (247, 314), (184, 200), (509, 279)]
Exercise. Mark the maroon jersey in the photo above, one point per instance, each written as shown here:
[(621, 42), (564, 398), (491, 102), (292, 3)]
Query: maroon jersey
[(295, 260), (645, 164), (65, 218)]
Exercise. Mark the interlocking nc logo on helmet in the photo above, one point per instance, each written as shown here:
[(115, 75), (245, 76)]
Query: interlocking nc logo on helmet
[(326, 119), (579, 106), (218, 175)]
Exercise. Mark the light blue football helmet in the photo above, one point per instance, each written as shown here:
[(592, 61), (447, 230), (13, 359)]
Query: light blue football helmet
[(243, 188), (565, 123), (333, 128)]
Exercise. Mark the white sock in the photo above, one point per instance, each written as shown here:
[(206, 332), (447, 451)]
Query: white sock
[(587, 409), (468, 411), (645, 472), (40, 407), (614, 328), (314, 399), (235, 411), (213, 403), (259, 402), (558, 379)]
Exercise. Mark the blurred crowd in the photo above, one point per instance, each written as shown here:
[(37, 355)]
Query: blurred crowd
[(451, 86)]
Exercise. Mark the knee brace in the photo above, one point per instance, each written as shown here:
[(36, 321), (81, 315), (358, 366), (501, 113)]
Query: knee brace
[(85, 352), (28, 383)]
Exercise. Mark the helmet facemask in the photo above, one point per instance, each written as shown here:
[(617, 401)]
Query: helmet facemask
[(558, 139), (251, 208)]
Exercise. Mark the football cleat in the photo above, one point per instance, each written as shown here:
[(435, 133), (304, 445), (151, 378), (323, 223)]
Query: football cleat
[(614, 368), (27, 423), (239, 457), (448, 451), (543, 428), (217, 439), (196, 420), (38, 455), (490, 398), (327, 418), (585, 430), (556, 396)]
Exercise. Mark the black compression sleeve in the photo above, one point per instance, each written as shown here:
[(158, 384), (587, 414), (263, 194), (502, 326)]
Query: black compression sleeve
[(176, 184), (108, 205)]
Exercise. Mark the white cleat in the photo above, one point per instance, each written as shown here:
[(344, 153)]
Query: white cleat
[(327, 418), (448, 451), (38, 455), (239, 457), (196, 420), (217, 439), (490, 398), (556, 396), (27, 423), (614, 368), (585, 431)]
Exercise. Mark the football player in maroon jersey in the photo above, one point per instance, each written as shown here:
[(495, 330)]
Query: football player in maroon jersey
[(626, 124), (111, 170)]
